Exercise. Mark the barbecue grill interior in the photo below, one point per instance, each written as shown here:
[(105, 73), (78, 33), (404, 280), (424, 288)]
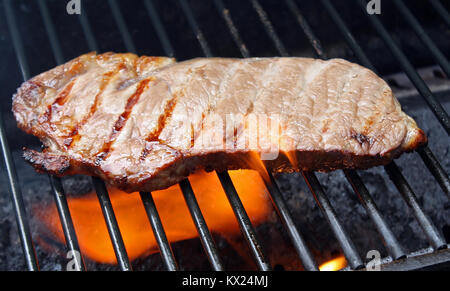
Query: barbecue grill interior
[(38, 35)]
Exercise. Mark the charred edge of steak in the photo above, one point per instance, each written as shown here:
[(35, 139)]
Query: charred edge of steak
[(181, 167), (420, 140), (47, 162)]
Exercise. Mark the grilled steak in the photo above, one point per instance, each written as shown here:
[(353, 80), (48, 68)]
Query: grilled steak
[(145, 123)]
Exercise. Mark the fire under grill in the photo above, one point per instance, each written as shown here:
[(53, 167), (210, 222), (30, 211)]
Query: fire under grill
[(437, 254)]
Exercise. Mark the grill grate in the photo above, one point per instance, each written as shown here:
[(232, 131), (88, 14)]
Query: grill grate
[(355, 262), (200, 223), (158, 230)]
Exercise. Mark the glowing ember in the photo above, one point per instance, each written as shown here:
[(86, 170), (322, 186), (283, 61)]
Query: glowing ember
[(334, 264), (133, 222)]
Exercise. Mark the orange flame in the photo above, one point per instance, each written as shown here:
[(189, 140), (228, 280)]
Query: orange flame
[(335, 264), (134, 224)]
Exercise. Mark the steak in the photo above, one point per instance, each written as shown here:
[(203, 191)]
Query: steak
[(146, 123)]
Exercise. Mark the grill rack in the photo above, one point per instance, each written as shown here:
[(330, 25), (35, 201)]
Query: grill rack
[(395, 250)]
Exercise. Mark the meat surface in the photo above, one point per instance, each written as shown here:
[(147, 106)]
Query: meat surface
[(145, 123)]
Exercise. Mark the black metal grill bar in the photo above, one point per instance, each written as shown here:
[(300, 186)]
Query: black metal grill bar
[(435, 168), (121, 24), (435, 51), (160, 30), (419, 83), (66, 222), (440, 9), (297, 239), (16, 39), (200, 224), (87, 30), (111, 223), (233, 30), (235, 202), (313, 40), (433, 236), (244, 222), (391, 243), (428, 260), (427, 156), (275, 194), (324, 204), (50, 28), (18, 204), (269, 28), (195, 28), (351, 41), (394, 173), (15, 191), (158, 230)]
